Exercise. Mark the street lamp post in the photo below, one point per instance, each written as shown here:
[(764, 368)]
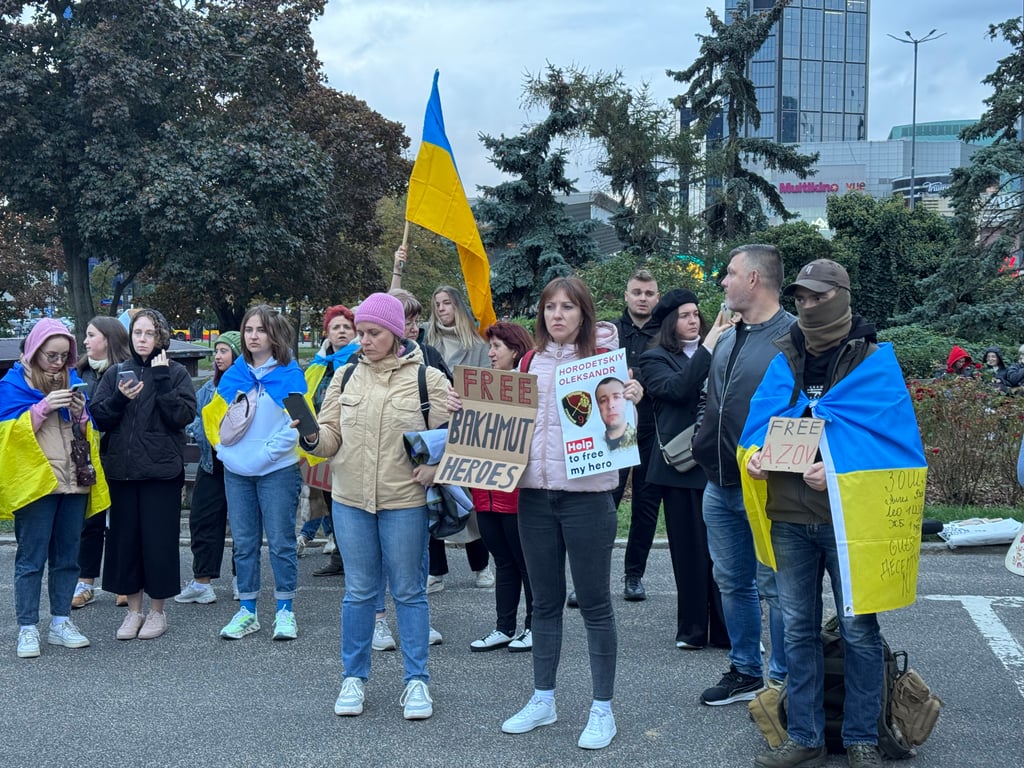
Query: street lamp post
[(910, 39)]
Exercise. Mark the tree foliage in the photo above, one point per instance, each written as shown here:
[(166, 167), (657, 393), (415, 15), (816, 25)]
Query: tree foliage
[(892, 251), (640, 151), (529, 236), (800, 243), (28, 260), (193, 140), (718, 84)]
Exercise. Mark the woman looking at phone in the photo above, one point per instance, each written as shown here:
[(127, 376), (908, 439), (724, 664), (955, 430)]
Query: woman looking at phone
[(106, 345), (144, 407), (42, 410)]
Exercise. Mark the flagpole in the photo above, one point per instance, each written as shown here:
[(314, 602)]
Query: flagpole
[(405, 235)]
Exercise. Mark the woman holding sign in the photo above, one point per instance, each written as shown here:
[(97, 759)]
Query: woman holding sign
[(560, 516), (674, 372)]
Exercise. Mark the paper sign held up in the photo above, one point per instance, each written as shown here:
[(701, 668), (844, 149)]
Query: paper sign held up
[(791, 445)]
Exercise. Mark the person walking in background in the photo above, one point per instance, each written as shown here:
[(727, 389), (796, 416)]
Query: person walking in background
[(636, 333), (208, 515), (143, 406), (753, 319), (338, 347), (674, 372), (261, 468), (561, 516), (498, 521), (44, 431), (106, 345), (379, 499)]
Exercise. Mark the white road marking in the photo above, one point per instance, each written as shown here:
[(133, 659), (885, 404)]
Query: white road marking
[(1000, 640)]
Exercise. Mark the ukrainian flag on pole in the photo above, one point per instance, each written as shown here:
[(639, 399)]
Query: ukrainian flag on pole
[(438, 202), (875, 471)]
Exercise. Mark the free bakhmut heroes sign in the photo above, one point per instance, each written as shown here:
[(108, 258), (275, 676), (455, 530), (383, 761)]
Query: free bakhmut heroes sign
[(489, 438)]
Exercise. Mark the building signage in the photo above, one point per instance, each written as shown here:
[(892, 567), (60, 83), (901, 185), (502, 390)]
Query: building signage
[(820, 187)]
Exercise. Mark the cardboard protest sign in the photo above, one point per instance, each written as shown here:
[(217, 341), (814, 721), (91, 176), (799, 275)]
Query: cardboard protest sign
[(489, 439), (598, 422), (791, 445)]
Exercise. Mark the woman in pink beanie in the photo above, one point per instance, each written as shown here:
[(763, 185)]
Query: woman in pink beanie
[(379, 499)]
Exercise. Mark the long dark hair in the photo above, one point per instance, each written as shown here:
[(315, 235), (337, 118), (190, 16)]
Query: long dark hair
[(116, 334), (578, 293), (666, 336), (279, 331)]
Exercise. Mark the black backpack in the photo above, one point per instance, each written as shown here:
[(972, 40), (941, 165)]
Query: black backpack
[(891, 742)]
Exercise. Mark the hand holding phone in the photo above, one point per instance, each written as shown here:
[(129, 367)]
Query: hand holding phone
[(127, 378), (79, 387), (298, 409)]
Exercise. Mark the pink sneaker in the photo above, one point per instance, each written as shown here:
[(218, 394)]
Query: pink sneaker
[(156, 625), (129, 629)]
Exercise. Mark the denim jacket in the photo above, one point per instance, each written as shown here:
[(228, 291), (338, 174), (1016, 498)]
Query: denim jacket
[(195, 429)]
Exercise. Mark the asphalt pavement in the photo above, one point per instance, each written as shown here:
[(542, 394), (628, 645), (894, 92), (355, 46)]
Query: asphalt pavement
[(192, 699)]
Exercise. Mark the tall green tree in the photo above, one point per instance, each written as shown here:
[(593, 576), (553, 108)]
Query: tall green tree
[(529, 236), (718, 84), (639, 150), (892, 252), (799, 243)]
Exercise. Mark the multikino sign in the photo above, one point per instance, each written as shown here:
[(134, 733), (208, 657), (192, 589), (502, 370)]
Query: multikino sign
[(820, 187)]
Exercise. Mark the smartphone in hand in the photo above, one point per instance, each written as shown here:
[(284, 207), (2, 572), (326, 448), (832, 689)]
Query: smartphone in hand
[(295, 404), (127, 377), (79, 387)]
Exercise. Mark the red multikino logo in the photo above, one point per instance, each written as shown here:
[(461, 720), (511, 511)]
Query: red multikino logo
[(577, 446)]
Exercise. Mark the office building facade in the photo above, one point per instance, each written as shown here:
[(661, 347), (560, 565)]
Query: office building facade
[(811, 74)]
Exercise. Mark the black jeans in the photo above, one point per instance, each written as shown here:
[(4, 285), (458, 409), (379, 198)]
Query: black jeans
[(643, 516), (553, 524), (476, 553), (90, 552), (207, 523), (500, 532)]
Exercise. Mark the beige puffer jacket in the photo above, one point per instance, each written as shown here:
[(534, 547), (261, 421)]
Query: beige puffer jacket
[(54, 437), (361, 430)]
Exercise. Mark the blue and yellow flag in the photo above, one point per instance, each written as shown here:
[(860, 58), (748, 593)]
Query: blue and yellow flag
[(437, 201), (20, 448), (875, 471)]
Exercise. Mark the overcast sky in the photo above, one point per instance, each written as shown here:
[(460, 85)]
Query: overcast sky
[(385, 52)]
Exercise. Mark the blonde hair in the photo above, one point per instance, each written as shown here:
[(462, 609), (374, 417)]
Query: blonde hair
[(465, 324)]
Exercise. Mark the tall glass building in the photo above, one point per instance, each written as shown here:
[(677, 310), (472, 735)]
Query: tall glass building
[(811, 74)]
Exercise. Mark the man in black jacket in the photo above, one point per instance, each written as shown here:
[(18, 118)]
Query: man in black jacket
[(636, 332), (741, 356)]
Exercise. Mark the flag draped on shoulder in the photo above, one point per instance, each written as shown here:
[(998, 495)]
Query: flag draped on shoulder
[(20, 448), (314, 373), (437, 201), (875, 472), (278, 382)]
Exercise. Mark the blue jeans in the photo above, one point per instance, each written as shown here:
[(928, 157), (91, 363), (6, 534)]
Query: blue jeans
[(392, 542), (743, 582), (800, 551), (258, 505), (48, 529)]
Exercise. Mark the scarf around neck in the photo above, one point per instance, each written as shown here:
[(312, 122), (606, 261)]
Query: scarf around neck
[(826, 323)]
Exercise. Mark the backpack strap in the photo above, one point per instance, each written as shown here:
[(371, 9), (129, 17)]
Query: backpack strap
[(524, 364), (421, 376)]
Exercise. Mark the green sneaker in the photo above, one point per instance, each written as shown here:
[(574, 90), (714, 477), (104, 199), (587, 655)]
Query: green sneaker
[(285, 627), (242, 623)]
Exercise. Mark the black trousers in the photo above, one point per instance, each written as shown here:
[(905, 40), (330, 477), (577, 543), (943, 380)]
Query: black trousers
[(142, 546), (699, 617), (207, 522), (646, 502), (500, 533), (90, 553), (476, 553)]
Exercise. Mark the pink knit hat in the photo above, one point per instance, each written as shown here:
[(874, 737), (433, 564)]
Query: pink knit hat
[(48, 328), (384, 310)]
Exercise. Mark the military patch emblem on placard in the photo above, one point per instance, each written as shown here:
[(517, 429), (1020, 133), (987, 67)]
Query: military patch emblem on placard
[(577, 406)]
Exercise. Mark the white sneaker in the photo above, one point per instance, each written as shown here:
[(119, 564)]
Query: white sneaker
[(194, 592), (350, 700), (484, 579), (497, 639), (535, 714), (600, 730), (301, 542), (331, 546), (522, 643), (67, 634), (416, 701), (28, 643), (434, 584), (383, 640), (435, 637), (285, 627)]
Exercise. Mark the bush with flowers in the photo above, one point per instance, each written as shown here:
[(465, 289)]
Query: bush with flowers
[(971, 433)]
